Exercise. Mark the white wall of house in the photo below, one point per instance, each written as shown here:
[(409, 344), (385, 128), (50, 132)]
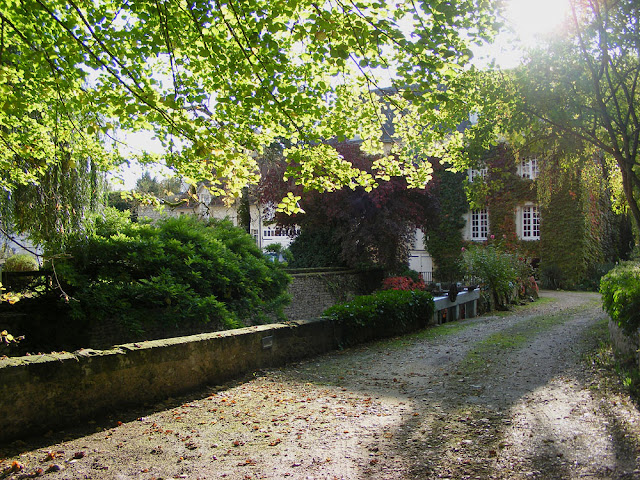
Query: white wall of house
[(419, 258)]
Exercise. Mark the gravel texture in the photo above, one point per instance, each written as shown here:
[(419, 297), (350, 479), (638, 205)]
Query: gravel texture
[(509, 396)]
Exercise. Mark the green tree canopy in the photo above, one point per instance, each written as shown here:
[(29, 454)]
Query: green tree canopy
[(576, 98), (217, 80)]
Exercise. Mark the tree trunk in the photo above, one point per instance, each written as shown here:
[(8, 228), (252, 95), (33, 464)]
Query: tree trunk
[(627, 186)]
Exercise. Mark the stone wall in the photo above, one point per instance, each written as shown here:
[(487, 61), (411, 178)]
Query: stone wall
[(43, 392), (39, 393), (313, 292)]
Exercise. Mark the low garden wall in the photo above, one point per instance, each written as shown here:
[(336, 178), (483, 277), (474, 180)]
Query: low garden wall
[(43, 392), (312, 292), (39, 393)]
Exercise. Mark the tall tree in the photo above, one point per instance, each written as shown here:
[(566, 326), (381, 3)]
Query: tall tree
[(368, 227), (577, 97), (217, 80)]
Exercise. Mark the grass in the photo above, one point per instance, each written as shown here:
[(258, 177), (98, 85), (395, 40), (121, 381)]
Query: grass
[(615, 371), (511, 339)]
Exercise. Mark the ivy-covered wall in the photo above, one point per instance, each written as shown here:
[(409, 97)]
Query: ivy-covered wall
[(565, 246), (502, 191), (579, 232), (443, 240)]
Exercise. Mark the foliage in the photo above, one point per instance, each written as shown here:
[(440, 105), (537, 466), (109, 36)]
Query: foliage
[(216, 80), (163, 188), (402, 283), (578, 201), (443, 238), (55, 202), (384, 313), (370, 227), (315, 248), (576, 96), (620, 289), (21, 263), (279, 250), (176, 271), (244, 211), (5, 337), (498, 270)]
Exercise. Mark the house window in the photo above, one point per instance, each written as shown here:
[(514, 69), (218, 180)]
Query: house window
[(479, 224), (530, 223), (477, 173), (528, 168)]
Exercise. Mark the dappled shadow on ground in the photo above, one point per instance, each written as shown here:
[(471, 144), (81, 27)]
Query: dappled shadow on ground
[(495, 397)]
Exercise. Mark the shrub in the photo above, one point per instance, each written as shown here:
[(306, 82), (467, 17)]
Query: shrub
[(315, 248), (384, 313), (620, 289), (21, 263), (403, 283), (178, 270), (494, 268), (552, 276)]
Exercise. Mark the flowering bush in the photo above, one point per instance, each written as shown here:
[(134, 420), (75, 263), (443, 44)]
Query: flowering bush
[(403, 283)]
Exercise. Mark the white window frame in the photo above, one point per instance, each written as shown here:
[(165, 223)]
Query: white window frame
[(477, 173), (530, 222), (479, 224), (528, 168)]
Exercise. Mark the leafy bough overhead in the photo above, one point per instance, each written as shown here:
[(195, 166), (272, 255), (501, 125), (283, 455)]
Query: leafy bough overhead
[(218, 80), (576, 97)]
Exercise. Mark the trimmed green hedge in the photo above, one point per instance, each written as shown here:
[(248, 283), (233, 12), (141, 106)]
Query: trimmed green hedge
[(620, 289), (382, 314)]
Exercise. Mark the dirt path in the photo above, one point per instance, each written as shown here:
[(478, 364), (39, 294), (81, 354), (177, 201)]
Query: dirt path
[(503, 397)]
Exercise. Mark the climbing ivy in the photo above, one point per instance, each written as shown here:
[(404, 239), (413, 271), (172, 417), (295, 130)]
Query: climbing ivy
[(578, 228), (444, 239)]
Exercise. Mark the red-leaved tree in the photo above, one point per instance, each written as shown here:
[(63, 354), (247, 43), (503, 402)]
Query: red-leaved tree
[(370, 228)]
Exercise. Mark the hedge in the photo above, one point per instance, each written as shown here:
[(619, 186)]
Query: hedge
[(382, 314), (137, 281), (620, 289)]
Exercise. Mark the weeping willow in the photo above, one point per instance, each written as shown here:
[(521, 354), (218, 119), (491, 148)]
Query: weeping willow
[(56, 204)]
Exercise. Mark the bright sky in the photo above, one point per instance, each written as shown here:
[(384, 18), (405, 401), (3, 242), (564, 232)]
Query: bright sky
[(529, 19)]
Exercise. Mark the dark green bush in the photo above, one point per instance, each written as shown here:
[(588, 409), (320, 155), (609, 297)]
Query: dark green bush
[(18, 265), (315, 248), (620, 289), (178, 270), (382, 314)]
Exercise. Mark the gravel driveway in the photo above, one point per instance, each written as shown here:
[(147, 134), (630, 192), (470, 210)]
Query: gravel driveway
[(509, 396)]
